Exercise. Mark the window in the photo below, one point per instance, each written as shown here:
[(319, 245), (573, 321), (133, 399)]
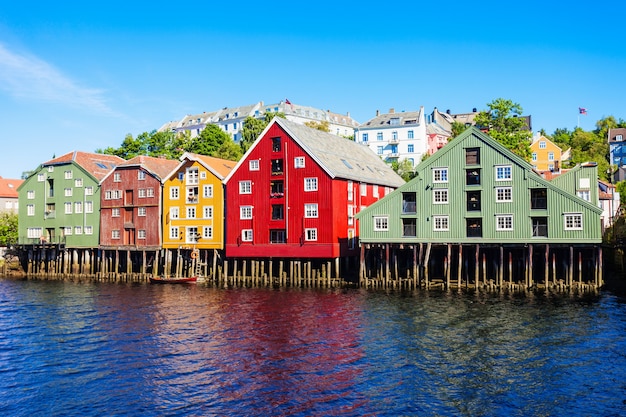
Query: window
[(584, 183), (310, 184), (246, 235), (41, 177), (440, 196), (115, 212), (375, 191), (174, 213), (78, 182), (192, 235), (277, 236), (394, 135), (540, 226), (78, 230), (276, 189), (245, 187), (68, 175), (379, 150), (203, 175), (88, 230), (141, 175), (141, 234), (141, 212), (78, 207), (504, 222), (381, 223), (67, 192), (365, 137), (207, 232), (117, 177), (278, 212), (310, 210), (298, 162), (142, 193), (191, 212), (441, 223), (573, 221), (409, 227), (192, 176), (538, 199), (472, 176), (68, 208), (88, 206), (410, 148), (584, 194), (254, 165), (245, 212), (363, 187), (379, 136), (115, 234), (409, 202), (89, 190), (207, 212), (207, 191), (504, 194), (173, 232), (150, 192), (503, 173), (34, 232), (174, 193), (67, 230), (310, 235), (534, 156), (410, 135), (473, 201), (440, 175), (350, 214), (277, 166), (472, 156), (30, 194), (276, 144), (30, 210), (618, 138), (350, 190), (474, 227), (550, 156), (542, 144)]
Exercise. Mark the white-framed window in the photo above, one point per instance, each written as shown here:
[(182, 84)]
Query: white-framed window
[(174, 232), (504, 173), (30, 209), (394, 135), (246, 235), (410, 135), (440, 196), (207, 212), (142, 192), (89, 230), (379, 150), (191, 212), (78, 207), (573, 221), (310, 184), (365, 137), (67, 230), (245, 187), (174, 193), (141, 175), (375, 191), (41, 177), (34, 232), (207, 191), (381, 223), (441, 223), (350, 190), (363, 187), (504, 222), (117, 177), (410, 148), (310, 235), (192, 176), (298, 162), (78, 230), (141, 234), (67, 192), (207, 232), (150, 192), (542, 144), (142, 211), (115, 234), (350, 215), (203, 175), (379, 136), (504, 194), (68, 208), (310, 210), (550, 156), (254, 165), (584, 194), (534, 156), (78, 183), (88, 206), (89, 190), (584, 183), (440, 174), (30, 194), (245, 212), (174, 213), (68, 175), (115, 212)]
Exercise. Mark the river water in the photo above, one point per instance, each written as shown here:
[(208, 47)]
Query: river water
[(107, 349)]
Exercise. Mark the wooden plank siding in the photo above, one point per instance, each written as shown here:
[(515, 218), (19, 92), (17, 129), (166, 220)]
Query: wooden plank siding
[(492, 155)]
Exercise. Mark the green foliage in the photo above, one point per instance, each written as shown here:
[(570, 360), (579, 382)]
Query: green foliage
[(8, 228), (251, 129), (323, 125), (168, 144), (210, 139), (503, 123), (404, 168), (229, 150), (457, 128)]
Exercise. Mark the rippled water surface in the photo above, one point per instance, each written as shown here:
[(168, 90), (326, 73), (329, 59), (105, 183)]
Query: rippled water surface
[(83, 349)]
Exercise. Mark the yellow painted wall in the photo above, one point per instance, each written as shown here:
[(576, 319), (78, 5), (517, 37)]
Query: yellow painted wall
[(542, 163)]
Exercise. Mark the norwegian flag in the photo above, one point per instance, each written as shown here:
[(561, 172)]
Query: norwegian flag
[(582, 110)]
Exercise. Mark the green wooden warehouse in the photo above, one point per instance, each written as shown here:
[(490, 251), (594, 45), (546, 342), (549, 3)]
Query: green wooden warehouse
[(478, 215)]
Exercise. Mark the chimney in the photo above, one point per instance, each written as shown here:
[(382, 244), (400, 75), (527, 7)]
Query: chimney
[(377, 113), (474, 110), (448, 111), (391, 111)]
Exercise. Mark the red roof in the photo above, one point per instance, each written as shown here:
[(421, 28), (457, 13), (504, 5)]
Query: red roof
[(8, 187), (161, 167), (96, 164)]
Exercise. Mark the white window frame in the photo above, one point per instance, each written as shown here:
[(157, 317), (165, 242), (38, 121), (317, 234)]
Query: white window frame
[(246, 235), (78, 183), (174, 193), (78, 230), (298, 162), (310, 184), (30, 194), (88, 206), (207, 191), (68, 175), (207, 232), (440, 196), (141, 175), (174, 213), (504, 194), (30, 209), (311, 211), (381, 223), (253, 165), (115, 234), (141, 234), (441, 223), (89, 190), (78, 207), (174, 232), (440, 175), (503, 172), (142, 212), (245, 212), (88, 230), (117, 177), (115, 212), (68, 207), (67, 192), (573, 221), (190, 212), (310, 234), (207, 212), (504, 222), (245, 187)]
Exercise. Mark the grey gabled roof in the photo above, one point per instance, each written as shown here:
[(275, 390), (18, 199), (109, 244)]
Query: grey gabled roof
[(340, 157)]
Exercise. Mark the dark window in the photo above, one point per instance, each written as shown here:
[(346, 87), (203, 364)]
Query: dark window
[(472, 156), (276, 189), (409, 227), (277, 236), (540, 226), (276, 144), (472, 177), (473, 201), (277, 166), (474, 227), (538, 199), (278, 212), (409, 202)]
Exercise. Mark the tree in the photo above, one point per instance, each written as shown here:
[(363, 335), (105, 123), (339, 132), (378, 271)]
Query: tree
[(503, 123), (404, 168), (229, 150), (168, 144), (8, 228), (323, 125), (210, 139), (252, 128), (457, 128)]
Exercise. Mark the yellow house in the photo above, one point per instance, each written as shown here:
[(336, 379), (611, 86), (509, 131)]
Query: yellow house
[(546, 155), (193, 203)]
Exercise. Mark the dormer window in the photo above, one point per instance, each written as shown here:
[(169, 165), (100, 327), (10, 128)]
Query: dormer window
[(618, 138)]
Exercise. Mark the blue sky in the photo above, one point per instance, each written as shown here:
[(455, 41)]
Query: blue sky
[(83, 75)]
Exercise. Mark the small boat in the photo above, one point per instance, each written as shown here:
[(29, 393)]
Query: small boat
[(173, 280)]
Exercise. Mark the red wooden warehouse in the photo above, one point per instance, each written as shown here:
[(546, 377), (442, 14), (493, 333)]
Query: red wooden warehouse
[(295, 192)]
